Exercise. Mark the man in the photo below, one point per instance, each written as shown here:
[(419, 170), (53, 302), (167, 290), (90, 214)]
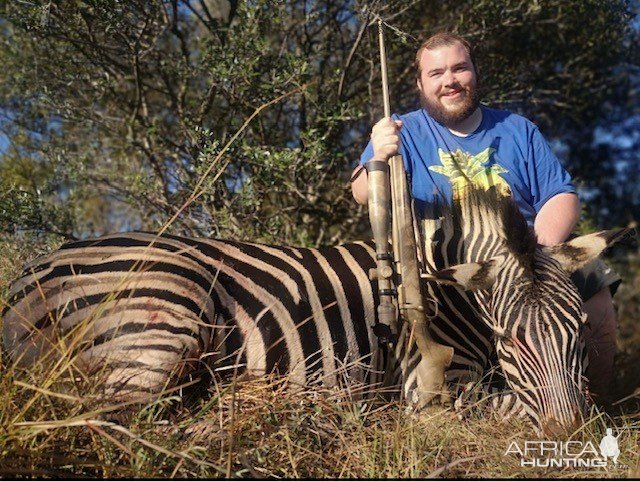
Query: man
[(453, 128)]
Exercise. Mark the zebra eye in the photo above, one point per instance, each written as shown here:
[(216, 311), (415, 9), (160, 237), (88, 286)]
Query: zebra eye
[(502, 337), (507, 341)]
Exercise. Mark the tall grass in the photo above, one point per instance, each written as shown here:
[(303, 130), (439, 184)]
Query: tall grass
[(261, 428), (53, 422)]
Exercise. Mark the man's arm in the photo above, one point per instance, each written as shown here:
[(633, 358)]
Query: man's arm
[(557, 218), (385, 140), (359, 185)]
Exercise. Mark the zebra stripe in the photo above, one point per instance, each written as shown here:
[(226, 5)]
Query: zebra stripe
[(158, 301), (527, 324), (148, 306)]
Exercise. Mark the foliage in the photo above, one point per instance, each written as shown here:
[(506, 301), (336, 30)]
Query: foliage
[(113, 111), (145, 95), (243, 120)]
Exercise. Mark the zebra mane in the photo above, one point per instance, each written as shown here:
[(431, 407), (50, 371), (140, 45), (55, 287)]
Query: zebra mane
[(499, 215)]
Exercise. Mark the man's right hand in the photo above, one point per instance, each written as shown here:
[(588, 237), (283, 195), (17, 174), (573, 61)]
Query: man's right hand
[(385, 138)]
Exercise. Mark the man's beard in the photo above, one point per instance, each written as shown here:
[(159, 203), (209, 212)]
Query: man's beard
[(452, 117)]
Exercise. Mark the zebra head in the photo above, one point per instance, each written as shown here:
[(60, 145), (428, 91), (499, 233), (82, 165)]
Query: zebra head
[(524, 293)]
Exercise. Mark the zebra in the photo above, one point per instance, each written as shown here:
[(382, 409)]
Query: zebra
[(523, 316), (150, 308)]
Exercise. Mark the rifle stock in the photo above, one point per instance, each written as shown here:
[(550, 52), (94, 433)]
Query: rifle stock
[(435, 357)]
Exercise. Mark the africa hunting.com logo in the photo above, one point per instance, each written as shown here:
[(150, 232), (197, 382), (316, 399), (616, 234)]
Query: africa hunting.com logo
[(576, 454)]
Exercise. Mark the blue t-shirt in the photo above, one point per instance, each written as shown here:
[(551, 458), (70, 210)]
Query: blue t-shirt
[(506, 151)]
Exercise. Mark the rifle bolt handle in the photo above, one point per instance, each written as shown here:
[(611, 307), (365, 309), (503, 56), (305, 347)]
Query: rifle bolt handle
[(384, 272)]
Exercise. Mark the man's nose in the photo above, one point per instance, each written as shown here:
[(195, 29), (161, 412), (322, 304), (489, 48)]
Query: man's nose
[(448, 78)]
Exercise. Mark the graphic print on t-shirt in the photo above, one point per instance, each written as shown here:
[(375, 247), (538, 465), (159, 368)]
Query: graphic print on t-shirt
[(466, 170)]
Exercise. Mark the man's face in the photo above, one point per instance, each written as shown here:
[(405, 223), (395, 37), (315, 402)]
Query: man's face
[(447, 84)]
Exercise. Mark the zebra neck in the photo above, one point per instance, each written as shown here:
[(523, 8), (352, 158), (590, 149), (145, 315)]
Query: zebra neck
[(448, 241)]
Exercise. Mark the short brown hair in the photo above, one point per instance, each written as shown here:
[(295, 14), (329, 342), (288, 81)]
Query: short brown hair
[(443, 39)]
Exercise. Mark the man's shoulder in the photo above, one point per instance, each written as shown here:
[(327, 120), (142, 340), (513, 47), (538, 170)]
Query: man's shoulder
[(417, 123), (505, 121), (501, 116)]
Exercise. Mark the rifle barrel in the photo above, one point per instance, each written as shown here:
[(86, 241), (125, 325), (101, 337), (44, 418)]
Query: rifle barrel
[(383, 68)]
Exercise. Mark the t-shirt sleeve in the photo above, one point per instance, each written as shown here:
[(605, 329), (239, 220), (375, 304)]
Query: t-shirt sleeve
[(548, 177)]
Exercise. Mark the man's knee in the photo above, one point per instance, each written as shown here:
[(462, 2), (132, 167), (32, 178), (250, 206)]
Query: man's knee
[(601, 315), (600, 338)]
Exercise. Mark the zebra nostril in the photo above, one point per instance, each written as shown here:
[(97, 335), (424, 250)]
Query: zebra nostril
[(553, 428)]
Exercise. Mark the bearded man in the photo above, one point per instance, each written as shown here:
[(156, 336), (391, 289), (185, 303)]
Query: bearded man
[(453, 134)]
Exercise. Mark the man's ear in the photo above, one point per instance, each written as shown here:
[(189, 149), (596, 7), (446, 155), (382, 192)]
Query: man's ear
[(574, 254), (471, 276)]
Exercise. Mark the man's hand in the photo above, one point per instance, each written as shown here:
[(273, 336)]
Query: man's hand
[(385, 138)]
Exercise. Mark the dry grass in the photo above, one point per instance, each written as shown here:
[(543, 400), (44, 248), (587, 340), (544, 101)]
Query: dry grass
[(50, 426), (255, 428)]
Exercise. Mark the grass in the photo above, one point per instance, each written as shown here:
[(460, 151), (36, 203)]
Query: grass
[(254, 428), (50, 425)]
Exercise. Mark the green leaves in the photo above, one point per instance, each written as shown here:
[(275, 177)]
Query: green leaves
[(128, 104)]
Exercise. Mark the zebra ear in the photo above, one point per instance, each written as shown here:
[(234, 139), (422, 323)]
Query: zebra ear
[(471, 276), (574, 254)]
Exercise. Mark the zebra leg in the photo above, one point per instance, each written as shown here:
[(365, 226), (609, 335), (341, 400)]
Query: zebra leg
[(471, 400), (138, 364), (478, 399)]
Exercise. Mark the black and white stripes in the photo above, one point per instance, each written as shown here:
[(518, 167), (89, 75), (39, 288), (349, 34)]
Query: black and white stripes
[(144, 306), (144, 309), (521, 314)]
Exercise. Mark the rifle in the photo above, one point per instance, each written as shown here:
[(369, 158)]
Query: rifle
[(390, 203)]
